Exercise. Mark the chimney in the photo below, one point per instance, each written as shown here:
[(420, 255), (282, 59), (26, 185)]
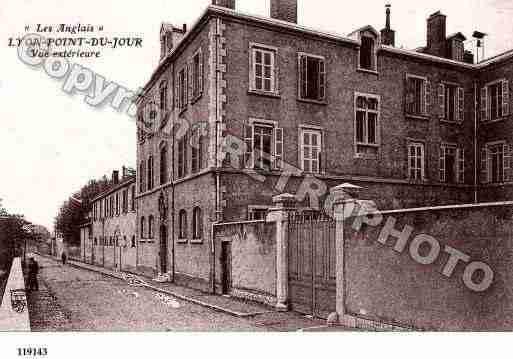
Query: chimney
[(436, 33), (387, 34), (115, 176), (285, 10), (170, 36), (230, 4)]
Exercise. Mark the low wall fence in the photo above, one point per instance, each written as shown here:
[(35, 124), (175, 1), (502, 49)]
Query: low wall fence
[(14, 314)]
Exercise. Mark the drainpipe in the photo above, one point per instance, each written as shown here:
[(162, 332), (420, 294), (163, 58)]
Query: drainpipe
[(475, 142), (172, 207)]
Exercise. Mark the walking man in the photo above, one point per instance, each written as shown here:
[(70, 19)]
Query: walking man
[(63, 257), (33, 271)]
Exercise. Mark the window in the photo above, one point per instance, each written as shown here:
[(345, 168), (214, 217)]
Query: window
[(163, 165), (95, 241), (117, 204), (112, 208), (196, 150), (367, 55), (151, 227), (312, 77), (133, 198), (264, 146), (141, 177), (197, 74), (101, 209), (416, 164), (143, 225), (182, 156), (496, 163), (125, 201), (133, 242), (495, 100), (257, 213), (197, 223), (263, 71), (366, 124), (452, 164), (452, 102), (150, 173), (182, 223), (181, 89), (163, 97), (311, 147), (417, 95)]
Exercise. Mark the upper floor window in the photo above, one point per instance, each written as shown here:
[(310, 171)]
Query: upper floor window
[(368, 53), (367, 110), (182, 224), (124, 201), (416, 161), (163, 97), (141, 177), (150, 173), (311, 147), (495, 100), (197, 150), (143, 225), (197, 223), (452, 164), (163, 165), (417, 95), (132, 207), (182, 156), (452, 102), (151, 225), (312, 77), (117, 204), (181, 89), (197, 74), (263, 69), (496, 163), (264, 146)]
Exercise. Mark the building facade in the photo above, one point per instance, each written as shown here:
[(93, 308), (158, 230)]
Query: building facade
[(242, 108), (109, 238)]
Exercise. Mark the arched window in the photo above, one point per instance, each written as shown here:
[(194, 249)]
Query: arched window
[(163, 164), (150, 227), (150, 173), (182, 222), (142, 226), (197, 223), (141, 177)]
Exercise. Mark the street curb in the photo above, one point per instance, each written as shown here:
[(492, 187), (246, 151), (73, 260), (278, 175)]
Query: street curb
[(173, 294)]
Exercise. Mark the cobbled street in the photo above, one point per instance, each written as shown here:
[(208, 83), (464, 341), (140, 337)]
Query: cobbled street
[(73, 299)]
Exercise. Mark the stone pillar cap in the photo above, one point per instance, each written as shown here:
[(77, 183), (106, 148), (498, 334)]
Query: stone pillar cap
[(345, 187)]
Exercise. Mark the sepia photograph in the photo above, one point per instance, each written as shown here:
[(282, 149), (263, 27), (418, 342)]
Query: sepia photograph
[(328, 169)]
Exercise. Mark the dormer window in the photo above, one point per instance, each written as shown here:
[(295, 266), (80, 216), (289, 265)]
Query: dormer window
[(367, 53)]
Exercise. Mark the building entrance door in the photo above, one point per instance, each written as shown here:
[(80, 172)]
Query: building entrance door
[(226, 256), (163, 249)]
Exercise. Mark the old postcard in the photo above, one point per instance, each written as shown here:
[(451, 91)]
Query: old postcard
[(254, 166)]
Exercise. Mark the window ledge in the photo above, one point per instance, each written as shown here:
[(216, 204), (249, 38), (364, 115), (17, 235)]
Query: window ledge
[(416, 117), (317, 102), (363, 156), (494, 121), (373, 72), (196, 241), (264, 93), (182, 240), (447, 122)]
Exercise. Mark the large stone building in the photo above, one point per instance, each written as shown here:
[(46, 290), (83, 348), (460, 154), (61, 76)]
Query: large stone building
[(242, 107)]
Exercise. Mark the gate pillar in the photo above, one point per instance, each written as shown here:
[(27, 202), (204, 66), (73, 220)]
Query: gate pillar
[(283, 205), (344, 198)]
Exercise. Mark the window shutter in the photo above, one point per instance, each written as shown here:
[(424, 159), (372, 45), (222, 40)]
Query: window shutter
[(302, 76), (200, 74), (484, 165), (505, 98), (248, 141), (484, 104), (508, 176), (461, 165), (278, 148), (427, 96), (441, 99), (461, 104), (442, 164), (322, 80)]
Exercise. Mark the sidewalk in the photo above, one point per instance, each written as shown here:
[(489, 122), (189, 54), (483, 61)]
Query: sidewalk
[(232, 306)]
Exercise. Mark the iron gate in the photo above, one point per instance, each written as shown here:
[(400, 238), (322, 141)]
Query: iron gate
[(312, 265)]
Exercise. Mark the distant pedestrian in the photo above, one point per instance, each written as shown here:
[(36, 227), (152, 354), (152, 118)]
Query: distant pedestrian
[(64, 257), (33, 271)]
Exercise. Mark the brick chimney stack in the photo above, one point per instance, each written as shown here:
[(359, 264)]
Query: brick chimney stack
[(436, 35), (285, 10), (230, 4), (387, 34), (115, 176)]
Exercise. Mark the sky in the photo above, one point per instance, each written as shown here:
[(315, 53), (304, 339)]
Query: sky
[(52, 143)]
